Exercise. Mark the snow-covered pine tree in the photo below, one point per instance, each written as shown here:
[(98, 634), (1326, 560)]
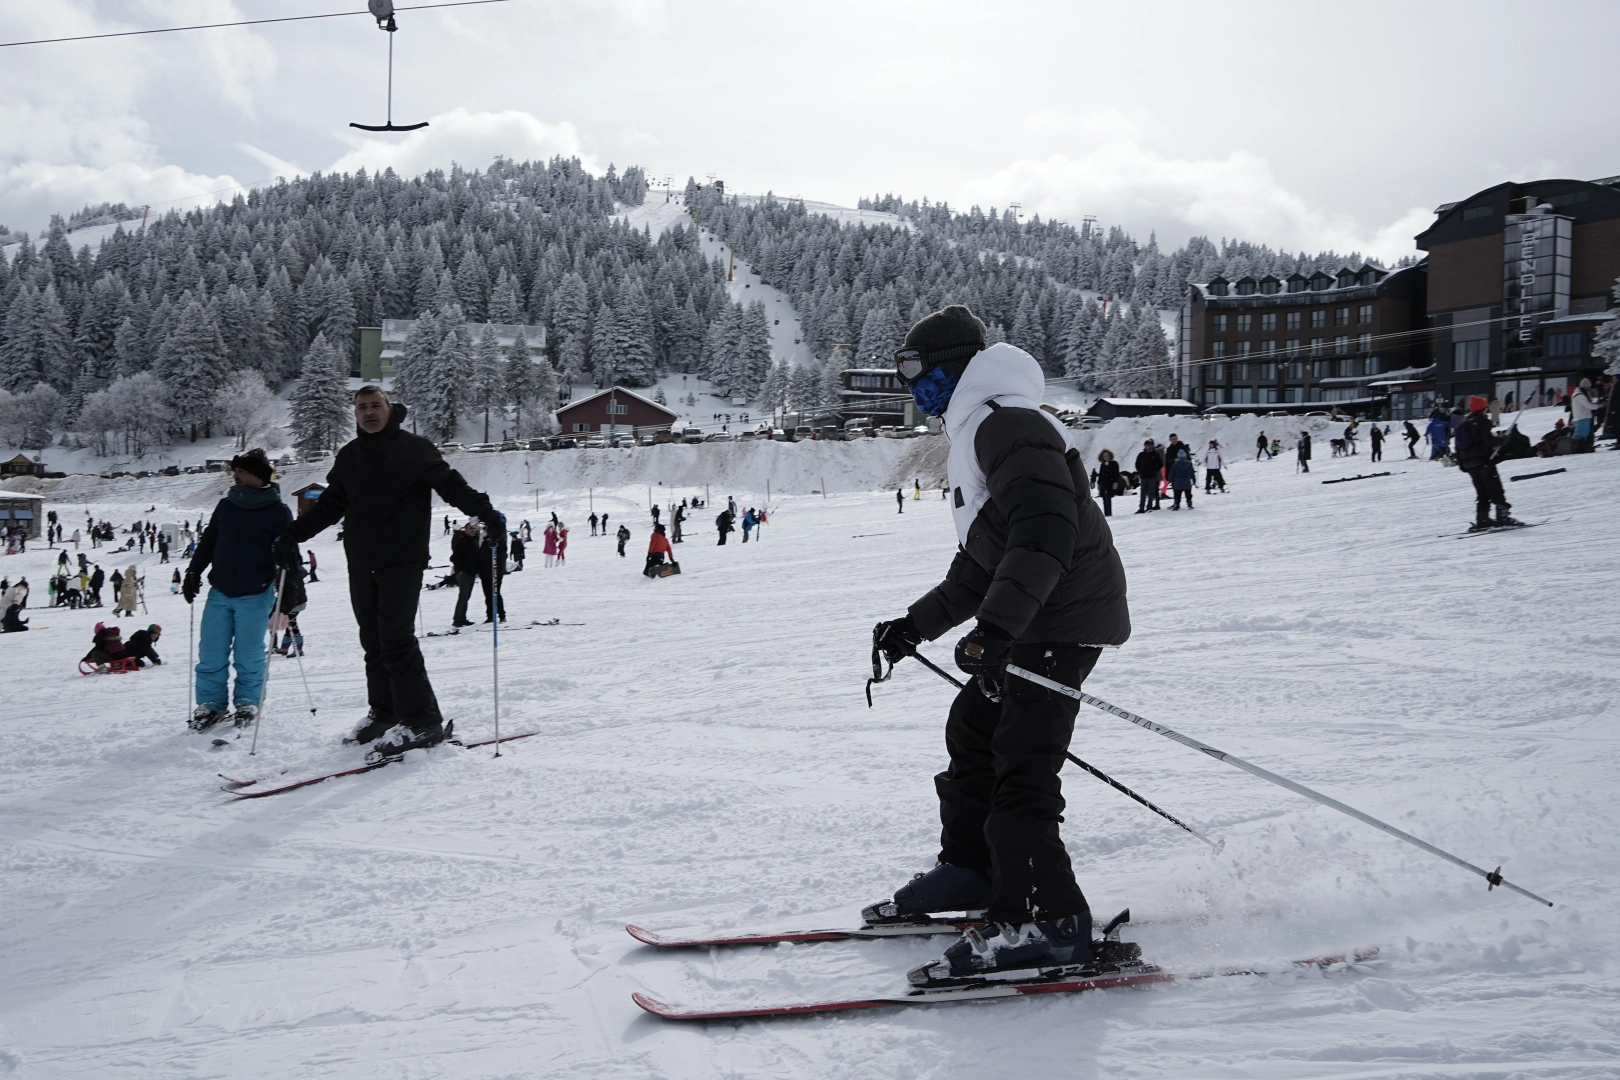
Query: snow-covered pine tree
[(321, 416), (414, 364), (192, 364), (246, 408), (630, 340), (19, 365), (488, 380), (444, 400), (1027, 332), (503, 301), (754, 348)]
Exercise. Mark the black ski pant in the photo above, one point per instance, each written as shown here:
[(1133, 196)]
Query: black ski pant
[(384, 603), (1179, 493), (492, 599), (464, 584), (1487, 490), (1378, 451), (1411, 446), (1149, 497), (1212, 480), (1001, 799)]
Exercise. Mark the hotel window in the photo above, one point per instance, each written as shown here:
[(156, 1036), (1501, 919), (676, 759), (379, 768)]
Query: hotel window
[(1470, 356), (1341, 344), (1294, 395), (1564, 344), (1219, 349), (1296, 369), (1321, 368), (1268, 372), (1341, 316), (1372, 365), (1242, 395), (1293, 320), (1318, 319), (1220, 324), (1268, 322), (1217, 373), (1268, 395), (1344, 370), (1316, 345), (1212, 397), (1364, 343), (1245, 323), (1245, 347), (1291, 346), (1241, 372), (1268, 348), (1366, 313)]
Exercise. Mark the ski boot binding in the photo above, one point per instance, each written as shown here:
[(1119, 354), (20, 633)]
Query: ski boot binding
[(944, 888), (204, 717), (404, 737), (1048, 951), (372, 728)]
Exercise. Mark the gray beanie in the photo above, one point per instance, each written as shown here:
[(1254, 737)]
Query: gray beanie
[(951, 329)]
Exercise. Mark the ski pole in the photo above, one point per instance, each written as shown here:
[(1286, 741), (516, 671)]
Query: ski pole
[(1092, 769), (1493, 878), (310, 698), (495, 631), (191, 658), (264, 687)]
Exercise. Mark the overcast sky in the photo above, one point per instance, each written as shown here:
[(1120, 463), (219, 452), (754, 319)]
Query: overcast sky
[(1305, 125)]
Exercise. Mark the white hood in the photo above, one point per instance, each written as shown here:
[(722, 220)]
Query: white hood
[(1012, 377), (1002, 371)]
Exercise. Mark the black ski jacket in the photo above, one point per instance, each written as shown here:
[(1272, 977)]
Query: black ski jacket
[(1039, 561), (1475, 440), (464, 553), (238, 540), (381, 486), (1149, 463)]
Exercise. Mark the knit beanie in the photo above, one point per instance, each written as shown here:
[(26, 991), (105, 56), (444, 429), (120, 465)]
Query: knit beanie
[(1477, 404), (253, 462), (954, 329)]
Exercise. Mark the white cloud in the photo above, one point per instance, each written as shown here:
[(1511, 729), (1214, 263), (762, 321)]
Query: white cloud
[(277, 166), (32, 191), (1235, 196), (470, 139)]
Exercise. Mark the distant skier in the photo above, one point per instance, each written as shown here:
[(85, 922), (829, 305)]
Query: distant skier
[(1261, 447), (723, 522), (1303, 448), (658, 550), (624, 535), (1213, 462), (312, 565), (1038, 569), (678, 517), (592, 520), (381, 486), (1149, 464), (464, 565), (1182, 477), (1412, 439), (562, 544), (748, 523), (238, 546), (1475, 443), (1108, 480), (1376, 438), (1438, 434), (899, 499), (549, 544), (518, 552)]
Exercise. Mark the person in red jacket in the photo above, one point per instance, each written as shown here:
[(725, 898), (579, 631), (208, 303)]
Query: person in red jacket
[(658, 552)]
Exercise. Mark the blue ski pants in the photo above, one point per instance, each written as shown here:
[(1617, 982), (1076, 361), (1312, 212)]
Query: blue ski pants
[(239, 624)]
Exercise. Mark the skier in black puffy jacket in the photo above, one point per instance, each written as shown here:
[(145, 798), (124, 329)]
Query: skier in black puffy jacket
[(1038, 570), (381, 487), (1149, 466), (1475, 443)]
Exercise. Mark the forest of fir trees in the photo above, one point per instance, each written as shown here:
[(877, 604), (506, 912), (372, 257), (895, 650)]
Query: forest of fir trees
[(185, 328)]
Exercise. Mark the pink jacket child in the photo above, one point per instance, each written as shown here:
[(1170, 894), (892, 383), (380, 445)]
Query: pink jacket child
[(550, 548), (562, 544)]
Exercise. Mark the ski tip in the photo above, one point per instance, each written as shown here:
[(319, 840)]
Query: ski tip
[(654, 1006), (646, 937)]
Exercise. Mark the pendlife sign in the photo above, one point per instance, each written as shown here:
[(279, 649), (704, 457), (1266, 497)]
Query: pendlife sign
[(1535, 274)]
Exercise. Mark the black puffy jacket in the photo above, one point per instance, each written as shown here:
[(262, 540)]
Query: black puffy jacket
[(1149, 463), (238, 541), (381, 486), (1039, 561)]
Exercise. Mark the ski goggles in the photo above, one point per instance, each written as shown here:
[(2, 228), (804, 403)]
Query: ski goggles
[(912, 363)]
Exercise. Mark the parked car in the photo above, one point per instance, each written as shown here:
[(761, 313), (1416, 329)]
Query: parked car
[(622, 439), (596, 442), (1312, 415), (537, 444), (781, 435), (565, 442), (1091, 422), (510, 444), (692, 435), (317, 455), (720, 436), (482, 448), (193, 469), (747, 435), (649, 439), (452, 448), (171, 470), (144, 473), (803, 431)]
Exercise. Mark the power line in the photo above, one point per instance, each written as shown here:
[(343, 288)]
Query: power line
[(246, 22)]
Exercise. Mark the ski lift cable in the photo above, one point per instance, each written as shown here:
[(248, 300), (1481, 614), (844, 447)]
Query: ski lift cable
[(245, 22)]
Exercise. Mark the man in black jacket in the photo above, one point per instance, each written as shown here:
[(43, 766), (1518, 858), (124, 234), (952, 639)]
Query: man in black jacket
[(464, 563), (1475, 443), (1149, 464), (381, 486), (1038, 569)]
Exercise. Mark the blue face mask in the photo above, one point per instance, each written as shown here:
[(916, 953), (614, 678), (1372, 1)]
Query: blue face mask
[(932, 392)]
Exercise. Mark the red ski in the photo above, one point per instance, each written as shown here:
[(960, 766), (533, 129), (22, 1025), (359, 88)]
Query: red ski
[(239, 788), (905, 929), (1058, 984)]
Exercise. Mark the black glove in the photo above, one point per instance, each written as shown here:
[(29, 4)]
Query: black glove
[(983, 653), (191, 586), (896, 639), (285, 554)]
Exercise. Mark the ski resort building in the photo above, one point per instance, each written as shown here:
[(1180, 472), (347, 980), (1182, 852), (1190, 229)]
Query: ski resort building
[(615, 409), (381, 345), (1519, 281), (1109, 408), (1302, 343), (876, 394)]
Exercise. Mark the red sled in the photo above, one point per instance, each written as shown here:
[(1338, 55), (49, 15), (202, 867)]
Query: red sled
[(112, 667)]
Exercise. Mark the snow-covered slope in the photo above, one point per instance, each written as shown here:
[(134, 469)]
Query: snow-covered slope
[(707, 761)]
